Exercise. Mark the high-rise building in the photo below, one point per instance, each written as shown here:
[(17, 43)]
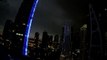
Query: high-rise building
[(31, 47), (8, 33), (61, 38), (22, 26), (66, 49), (36, 39), (7, 30), (45, 39), (75, 45), (83, 42), (95, 36), (101, 13), (56, 38)]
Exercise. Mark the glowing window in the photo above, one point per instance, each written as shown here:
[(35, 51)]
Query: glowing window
[(23, 24)]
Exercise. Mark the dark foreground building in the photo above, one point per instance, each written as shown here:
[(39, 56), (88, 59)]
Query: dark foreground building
[(22, 26)]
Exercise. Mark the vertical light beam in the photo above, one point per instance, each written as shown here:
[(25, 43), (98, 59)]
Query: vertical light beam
[(26, 37)]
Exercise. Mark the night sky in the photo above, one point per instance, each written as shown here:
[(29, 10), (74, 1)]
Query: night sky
[(50, 15)]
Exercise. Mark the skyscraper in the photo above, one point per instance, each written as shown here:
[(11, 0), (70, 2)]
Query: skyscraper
[(67, 40), (8, 33), (36, 39), (22, 26), (7, 29), (83, 42), (45, 39), (95, 36)]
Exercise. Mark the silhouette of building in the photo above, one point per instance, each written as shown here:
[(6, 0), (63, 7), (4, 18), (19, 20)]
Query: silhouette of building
[(61, 39), (102, 20), (1, 36), (36, 39), (95, 36), (7, 29), (105, 46), (83, 42), (8, 33), (100, 12), (22, 26), (76, 40), (56, 38), (50, 42), (45, 39), (75, 45)]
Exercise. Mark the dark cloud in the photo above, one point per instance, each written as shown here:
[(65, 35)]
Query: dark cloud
[(3, 11), (1, 27), (76, 9), (50, 15), (8, 10)]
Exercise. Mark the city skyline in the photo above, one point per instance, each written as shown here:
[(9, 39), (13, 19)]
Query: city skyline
[(44, 18), (60, 30)]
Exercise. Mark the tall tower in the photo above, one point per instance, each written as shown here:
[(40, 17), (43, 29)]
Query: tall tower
[(22, 26), (83, 42), (66, 49), (36, 39), (7, 33), (7, 30), (45, 38), (95, 46)]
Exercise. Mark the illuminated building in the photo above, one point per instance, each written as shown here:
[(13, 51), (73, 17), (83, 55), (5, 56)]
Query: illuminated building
[(33, 44), (22, 26), (31, 47), (83, 42), (67, 40)]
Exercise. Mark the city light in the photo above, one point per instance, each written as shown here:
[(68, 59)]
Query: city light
[(105, 9), (24, 24), (26, 38), (19, 34)]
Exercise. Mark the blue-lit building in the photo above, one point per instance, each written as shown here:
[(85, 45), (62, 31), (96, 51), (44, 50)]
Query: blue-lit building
[(22, 26), (66, 48)]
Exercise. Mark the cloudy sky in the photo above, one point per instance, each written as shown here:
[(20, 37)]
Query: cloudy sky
[(50, 15)]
